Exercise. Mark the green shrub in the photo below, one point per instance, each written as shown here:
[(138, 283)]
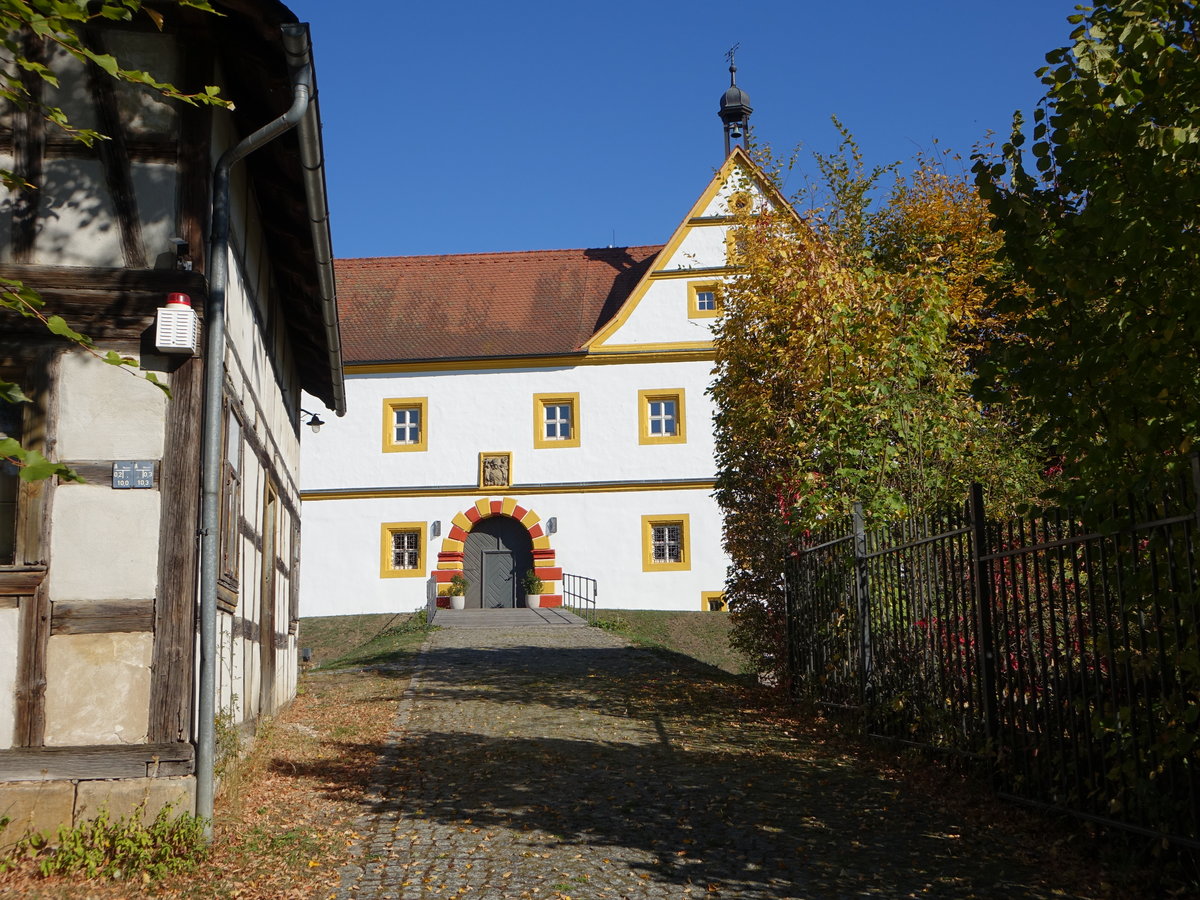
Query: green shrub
[(127, 848)]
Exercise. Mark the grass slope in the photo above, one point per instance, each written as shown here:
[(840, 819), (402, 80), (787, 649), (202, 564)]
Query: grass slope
[(704, 636)]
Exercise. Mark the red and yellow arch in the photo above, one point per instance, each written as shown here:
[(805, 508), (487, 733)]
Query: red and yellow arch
[(450, 557)]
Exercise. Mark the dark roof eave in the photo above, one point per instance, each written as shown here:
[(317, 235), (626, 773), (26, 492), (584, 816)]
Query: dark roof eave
[(412, 361)]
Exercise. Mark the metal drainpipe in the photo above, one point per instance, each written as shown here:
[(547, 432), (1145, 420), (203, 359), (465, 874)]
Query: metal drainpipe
[(214, 384)]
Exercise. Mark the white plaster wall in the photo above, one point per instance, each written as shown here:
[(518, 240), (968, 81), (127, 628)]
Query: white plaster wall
[(661, 316), (599, 535), (78, 223), (104, 544), (470, 412), (9, 619), (105, 412), (99, 689)]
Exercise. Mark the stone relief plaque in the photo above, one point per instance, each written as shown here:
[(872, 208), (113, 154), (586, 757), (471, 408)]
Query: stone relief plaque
[(495, 470)]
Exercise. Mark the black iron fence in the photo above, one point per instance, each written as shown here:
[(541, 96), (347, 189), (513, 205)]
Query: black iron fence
[(1066, 658), (579, 594)]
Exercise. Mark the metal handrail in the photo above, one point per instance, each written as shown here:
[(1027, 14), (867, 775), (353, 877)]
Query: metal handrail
[(579, 594), (430, 600)]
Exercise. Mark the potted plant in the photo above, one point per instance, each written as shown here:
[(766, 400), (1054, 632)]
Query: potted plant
[(533, 589), (458, 591)]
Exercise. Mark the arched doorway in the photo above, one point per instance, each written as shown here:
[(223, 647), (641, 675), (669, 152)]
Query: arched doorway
[(498, 551)]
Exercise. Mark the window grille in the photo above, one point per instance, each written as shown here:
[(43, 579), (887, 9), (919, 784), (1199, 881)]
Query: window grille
[(667, 543), (406, 551)]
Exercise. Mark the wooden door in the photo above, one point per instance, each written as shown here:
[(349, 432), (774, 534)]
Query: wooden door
[(499, 580), (496, 554)]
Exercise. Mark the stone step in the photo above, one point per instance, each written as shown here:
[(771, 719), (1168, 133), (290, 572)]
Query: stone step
[(521, 617)]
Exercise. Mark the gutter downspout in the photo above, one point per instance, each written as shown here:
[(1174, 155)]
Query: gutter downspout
[(299, 48), (214, 384)]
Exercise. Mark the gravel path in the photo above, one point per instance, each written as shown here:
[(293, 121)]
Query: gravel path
[(559, 762)]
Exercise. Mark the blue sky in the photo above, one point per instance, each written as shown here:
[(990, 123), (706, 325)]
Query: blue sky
[(475, 127)]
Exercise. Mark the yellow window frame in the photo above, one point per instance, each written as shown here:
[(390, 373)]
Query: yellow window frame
[(694, 290), (386, 530), (683, 520), (713, 601), (390, 407), (734, 248), (644, 400), (540, 402)]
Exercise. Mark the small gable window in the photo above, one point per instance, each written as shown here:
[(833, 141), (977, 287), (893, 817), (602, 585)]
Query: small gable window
[(661, 417), (556, 420), (703, 300), (405, 424)]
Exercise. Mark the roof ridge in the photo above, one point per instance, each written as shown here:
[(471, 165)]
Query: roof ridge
[(498, 253)]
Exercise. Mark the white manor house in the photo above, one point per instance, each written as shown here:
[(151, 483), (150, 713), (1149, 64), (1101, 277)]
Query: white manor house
[(541, 410)]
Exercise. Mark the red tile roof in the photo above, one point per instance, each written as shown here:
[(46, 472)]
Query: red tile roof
[(401, 308)]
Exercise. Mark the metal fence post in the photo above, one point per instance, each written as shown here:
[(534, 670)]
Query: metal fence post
[(862, 597), (981, 574)]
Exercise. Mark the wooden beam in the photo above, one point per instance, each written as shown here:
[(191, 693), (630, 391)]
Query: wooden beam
[(88, 763), (195, 165), (21, 581), (29, 148), (101, 616), (34, 501), (106, 279), (99, 471), (178, 549), (30, 694)]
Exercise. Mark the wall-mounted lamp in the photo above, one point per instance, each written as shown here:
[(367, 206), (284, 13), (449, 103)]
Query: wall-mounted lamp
[(315, 422), (435, 528), (552, 525)]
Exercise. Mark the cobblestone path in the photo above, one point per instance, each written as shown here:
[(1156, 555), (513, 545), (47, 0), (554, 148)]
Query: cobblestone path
[(559, 762)]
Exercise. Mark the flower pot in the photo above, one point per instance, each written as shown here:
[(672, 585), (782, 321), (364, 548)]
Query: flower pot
[(533, 601), (458, 601)]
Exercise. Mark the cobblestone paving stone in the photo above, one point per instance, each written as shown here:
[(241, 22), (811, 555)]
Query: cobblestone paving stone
[(560, 762)]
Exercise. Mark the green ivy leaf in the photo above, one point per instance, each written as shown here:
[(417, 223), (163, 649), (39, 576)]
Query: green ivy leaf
[(58, 325)]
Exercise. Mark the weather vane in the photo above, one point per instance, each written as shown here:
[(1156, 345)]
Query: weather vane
[(732, 51)]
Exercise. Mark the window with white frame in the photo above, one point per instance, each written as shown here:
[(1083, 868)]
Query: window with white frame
[(556, 420), (405, 424), (661, 416), (703, 300)]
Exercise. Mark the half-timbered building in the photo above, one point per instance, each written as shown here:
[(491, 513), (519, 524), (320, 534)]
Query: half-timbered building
[(105, 663)]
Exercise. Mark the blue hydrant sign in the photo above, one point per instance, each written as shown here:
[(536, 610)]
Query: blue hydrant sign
[(130, 474)]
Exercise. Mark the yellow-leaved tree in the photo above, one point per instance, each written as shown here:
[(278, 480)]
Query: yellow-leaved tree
[(845, 356)]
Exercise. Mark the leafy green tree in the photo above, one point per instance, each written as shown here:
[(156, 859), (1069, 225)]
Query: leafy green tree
[(1099, 219), (845, 357), (29, 29)]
